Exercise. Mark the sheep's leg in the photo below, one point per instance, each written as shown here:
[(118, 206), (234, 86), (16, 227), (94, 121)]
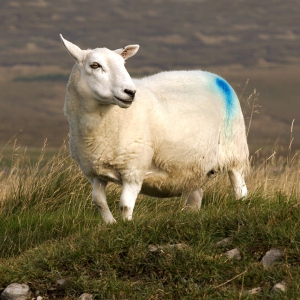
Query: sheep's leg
[(129, 194), (194, 199), (99, 199), (238, 184)]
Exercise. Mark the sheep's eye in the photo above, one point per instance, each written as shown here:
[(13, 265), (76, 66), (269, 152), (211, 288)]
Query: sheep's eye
[(95, 65)]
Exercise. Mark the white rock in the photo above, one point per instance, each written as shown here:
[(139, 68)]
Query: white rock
[(224, 242), (280, 286), (270, 257), (16, 291), (252, 291), (39, 298), (152, 248), (233, 254), (61, 281), (180, 246), (86, 296)]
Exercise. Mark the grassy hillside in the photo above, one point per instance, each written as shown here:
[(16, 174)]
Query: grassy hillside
[(49, 230), (241, 40)]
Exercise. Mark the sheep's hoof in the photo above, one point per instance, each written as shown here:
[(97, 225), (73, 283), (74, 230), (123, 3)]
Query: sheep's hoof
[(241, 193), (110, 220), (126, 213)]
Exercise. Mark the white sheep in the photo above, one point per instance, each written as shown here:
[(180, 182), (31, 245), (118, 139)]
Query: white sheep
[(161, 135)]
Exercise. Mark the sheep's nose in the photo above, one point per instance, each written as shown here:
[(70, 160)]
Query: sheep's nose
[(130, 92)]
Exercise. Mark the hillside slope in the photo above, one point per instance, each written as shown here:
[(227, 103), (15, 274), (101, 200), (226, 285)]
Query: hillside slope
[(240, 40)]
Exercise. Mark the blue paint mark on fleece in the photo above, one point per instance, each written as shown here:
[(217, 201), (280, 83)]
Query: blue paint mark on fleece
[(229, 95)]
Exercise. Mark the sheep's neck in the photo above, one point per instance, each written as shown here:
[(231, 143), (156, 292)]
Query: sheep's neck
[(88, 119)]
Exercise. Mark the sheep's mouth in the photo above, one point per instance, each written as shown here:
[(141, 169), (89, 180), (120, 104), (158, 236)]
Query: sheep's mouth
[(126, 103)]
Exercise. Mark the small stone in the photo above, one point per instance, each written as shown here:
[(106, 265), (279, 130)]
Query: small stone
[(233, 254), (180, 246), (61, 281), (16, 291), (39, 298), (270, 257), (252, 291), (224, 242), (86, 296), (152, 248), (280, 286)]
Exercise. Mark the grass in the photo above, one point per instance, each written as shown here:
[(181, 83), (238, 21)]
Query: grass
[(50, 230)]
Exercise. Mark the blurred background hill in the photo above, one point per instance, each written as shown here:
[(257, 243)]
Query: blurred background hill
[(241, 40)]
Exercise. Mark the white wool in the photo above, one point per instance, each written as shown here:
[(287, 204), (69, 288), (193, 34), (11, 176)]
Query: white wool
[(181, 126)]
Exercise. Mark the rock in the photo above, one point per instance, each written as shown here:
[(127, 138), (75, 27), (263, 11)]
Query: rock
[(180, 246), (39, 298), (280, 286), (152, 248), (61, 281), (224, 242), (252, 291), (86, 296), (233, 254), (270, 257), (16, 291)]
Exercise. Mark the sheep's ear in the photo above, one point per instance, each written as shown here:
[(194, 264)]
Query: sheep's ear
[(128, 51), (73, 50)]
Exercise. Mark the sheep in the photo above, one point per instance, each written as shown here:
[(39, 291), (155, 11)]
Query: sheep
[(163, 136)]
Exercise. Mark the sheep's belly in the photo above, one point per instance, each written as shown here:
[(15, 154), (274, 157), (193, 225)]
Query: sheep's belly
[(163, 185), (159, 191)]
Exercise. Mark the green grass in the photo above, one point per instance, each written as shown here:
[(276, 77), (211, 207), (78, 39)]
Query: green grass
[(50, 230)]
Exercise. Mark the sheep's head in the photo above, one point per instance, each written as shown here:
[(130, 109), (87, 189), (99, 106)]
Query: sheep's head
[(103, 75)]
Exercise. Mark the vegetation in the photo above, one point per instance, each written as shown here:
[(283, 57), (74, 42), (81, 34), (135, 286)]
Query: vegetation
[(50, 230)]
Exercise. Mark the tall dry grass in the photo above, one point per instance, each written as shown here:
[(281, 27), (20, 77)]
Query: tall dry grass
[(275, 172), (37, 183)]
